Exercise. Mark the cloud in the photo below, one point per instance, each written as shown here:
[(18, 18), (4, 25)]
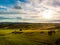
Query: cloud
[(55, 3), (30, 11)]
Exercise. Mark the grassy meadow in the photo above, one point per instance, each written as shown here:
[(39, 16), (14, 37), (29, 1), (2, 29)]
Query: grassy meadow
[(27, 38), (29, 34)]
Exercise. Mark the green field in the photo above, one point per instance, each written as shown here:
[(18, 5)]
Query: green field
[(27, 38)]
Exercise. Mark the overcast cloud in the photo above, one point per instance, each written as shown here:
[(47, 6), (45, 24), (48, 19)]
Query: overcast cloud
[(28, 10)]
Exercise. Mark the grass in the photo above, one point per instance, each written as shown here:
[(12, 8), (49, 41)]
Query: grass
[(28, 37)]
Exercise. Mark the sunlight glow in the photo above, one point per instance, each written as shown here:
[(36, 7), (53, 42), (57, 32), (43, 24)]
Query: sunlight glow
[(47, 14)]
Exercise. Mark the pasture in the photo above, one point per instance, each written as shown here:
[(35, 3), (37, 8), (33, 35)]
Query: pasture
[(27, 37)]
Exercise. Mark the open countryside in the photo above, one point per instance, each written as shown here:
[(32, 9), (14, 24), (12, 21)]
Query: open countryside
[(29, 34)]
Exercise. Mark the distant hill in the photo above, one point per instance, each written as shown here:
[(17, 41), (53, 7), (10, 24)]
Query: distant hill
[(33, 26)]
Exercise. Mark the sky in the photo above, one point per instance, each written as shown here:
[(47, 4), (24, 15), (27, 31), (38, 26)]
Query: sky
[(32, 11)]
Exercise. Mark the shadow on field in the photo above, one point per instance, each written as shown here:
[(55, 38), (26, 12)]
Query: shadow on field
[(57, 42), (17, 32), (50, 33), (2, 34)]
